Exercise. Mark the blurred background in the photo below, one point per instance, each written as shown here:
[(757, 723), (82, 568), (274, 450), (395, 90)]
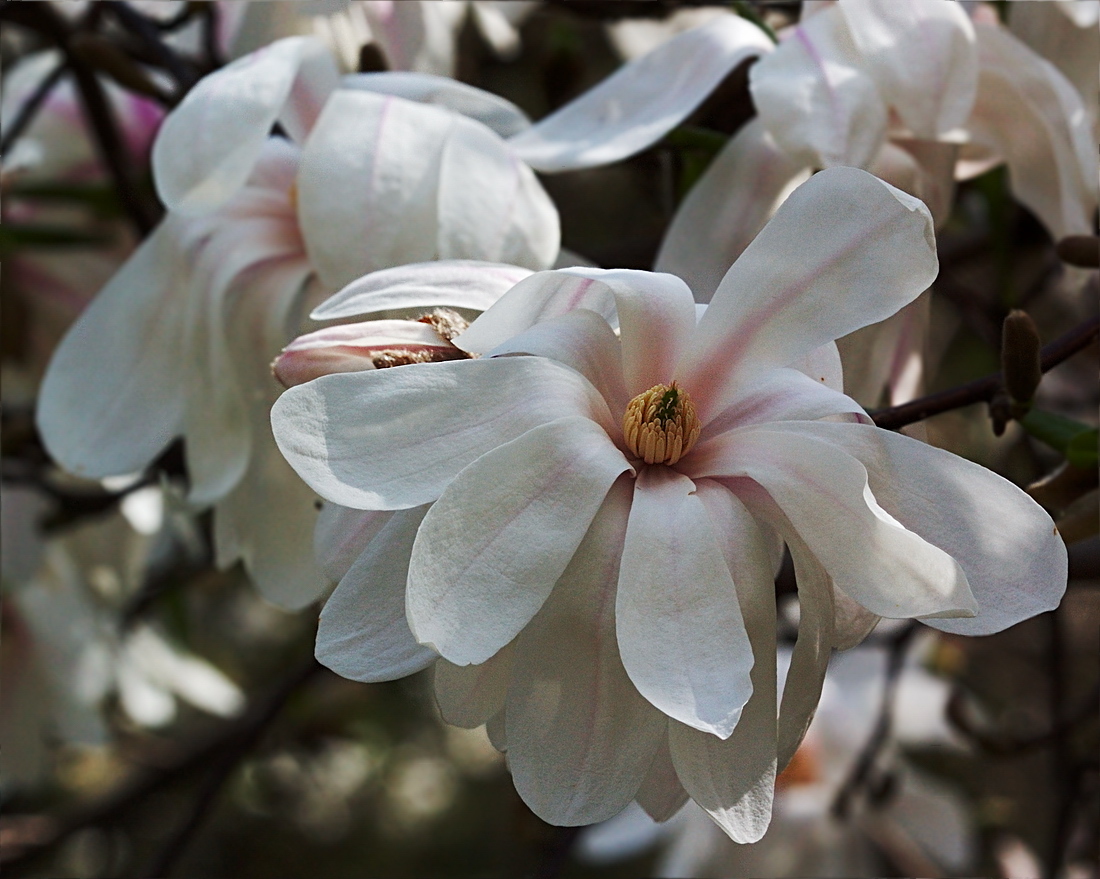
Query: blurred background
[(157, 717)]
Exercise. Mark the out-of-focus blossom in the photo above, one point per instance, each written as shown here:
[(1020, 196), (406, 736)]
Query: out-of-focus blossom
[(413, 35), (805, 836), (594, 519), (56, 282)]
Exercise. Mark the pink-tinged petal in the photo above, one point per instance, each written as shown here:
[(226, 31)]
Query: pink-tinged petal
[(816, 100), (342, 534), (1006, 544), (581, 738), (889, 356), (644, 100), (395, 438), (493, 111), (583, 341), (354, 347), (451, 283), (823, 491), (864, 248), (780, 395), (414, 34), (491, 205), (470, 695), (661, 794), (317, 79), (922, 57), (208, 145), (540, 297), (362, 633), (734, 780), (681, 633), (502, 533), (1030, 114), (727, 207), (113, 396)]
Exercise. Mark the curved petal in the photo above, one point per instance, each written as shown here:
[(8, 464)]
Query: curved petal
[(416, 35), (923, 168), (824, 492), (492, 111), (113, 395), (734, 780), (580, 737), (779, 395), (470, 695), (922, 57), (458, 283), (642, 101), (726, 208), (816, 100), (583, 341), (208, 145), (500, 535), (394, 438), (823, 365), (1005, 543), (1029, 113), (342, 534), (865, 249), (661, 795), (681, 634), (362, 633)]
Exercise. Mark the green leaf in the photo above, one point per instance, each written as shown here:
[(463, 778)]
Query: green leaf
[(1061, 433), (13, 237), (1081, 451)]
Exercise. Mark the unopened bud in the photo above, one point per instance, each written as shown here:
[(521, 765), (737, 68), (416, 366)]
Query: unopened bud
[(1082, 251), (105, 57), (1020, 360), (371, 59)]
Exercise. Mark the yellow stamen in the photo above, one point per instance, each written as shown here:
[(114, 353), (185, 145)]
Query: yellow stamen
[(660, 425)]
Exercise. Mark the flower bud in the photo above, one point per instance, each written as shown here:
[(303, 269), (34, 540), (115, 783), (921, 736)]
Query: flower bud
[(1082, 251), (1020, 361)]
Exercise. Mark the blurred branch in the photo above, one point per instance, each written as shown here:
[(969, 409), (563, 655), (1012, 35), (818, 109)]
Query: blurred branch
[(30, 107), (224, 749), (982, 390), (861, 773)]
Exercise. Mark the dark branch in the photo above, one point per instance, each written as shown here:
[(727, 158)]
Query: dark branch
[(27, 112), (982, 390)]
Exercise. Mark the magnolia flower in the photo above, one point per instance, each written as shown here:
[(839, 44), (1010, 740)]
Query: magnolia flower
[(587, 523)]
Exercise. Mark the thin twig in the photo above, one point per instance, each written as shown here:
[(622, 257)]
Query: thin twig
[(145, 30), (30, 107), (982, 390)]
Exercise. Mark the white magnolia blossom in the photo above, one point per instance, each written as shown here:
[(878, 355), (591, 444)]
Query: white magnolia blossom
[(585, 524), (179, 342)]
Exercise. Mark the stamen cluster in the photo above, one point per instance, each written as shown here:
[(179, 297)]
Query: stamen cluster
[(660, 425)]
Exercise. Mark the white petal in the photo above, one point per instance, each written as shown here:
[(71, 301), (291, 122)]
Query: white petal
[(452, 283), (681, 633), (113, 396), (362, 633), (394, 438), (734, 780), (923, 168), (341, 536), (500, 535), (864, 250), (661, 794), (823, 491), (922, 56), (415, 35), (823, 365), (470, 695), (583, 341), (1006, 544), (1029, 112), (815, 98), (726, 208), (642, 101), (208, 145), (580, 737), (493, 111)]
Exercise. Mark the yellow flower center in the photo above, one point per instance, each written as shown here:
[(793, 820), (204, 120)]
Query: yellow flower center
[(660, 425)]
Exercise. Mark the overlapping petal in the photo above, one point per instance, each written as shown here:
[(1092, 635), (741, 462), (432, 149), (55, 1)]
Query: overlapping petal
[(582, 736), (490, 550), (357, 461), (865, 249), (470, 695), (681, 633), (641, 102), (362, 633)]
